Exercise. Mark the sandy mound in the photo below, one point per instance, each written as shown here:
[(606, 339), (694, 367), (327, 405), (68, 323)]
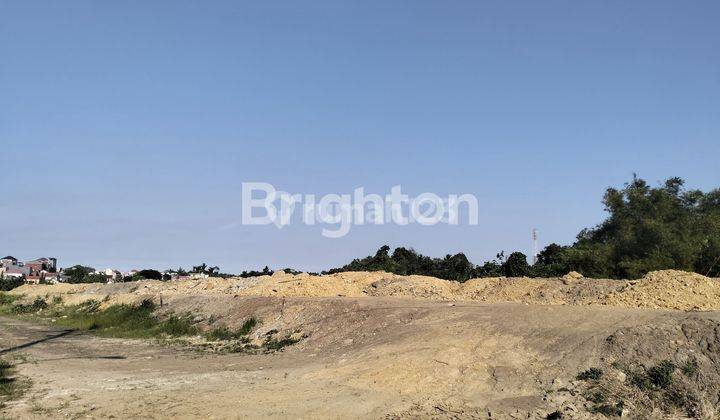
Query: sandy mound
[(668, 289)]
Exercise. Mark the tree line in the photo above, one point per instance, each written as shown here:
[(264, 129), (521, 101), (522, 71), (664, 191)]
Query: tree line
[(648, 228)]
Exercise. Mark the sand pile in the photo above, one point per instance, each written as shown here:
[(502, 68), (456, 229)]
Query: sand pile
[(524, 290), (351, 284), (668, 289), (418, 287)]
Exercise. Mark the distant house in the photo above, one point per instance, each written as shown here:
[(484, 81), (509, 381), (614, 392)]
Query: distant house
[(8, 261), (11, 267), (41, 264), (110, 274), (14, 271), (55, 278), (35, 271)]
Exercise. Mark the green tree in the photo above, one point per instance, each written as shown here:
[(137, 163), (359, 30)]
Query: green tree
[(9, 283), (516, 265), (78, 273), (150, 274)]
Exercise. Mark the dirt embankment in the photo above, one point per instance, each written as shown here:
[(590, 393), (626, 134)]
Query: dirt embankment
[(377, 358), (380, 345), (668, 289)]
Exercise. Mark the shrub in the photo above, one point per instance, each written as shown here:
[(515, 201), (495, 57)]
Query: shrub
[(39, 303), (660, 375), (150, 274), (690, 368), (274, 344), (609, 410), (590, 374), (224, 333), (9, 283), (597, 397), (6, 299)]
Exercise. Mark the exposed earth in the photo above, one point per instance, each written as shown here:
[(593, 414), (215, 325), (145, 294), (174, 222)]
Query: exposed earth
[(377, 345)]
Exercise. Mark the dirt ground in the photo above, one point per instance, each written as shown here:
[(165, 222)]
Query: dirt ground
[(374, 353), (367, 357)]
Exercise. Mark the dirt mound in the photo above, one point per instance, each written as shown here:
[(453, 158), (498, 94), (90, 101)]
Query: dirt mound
[(571, 277), (668, 289)]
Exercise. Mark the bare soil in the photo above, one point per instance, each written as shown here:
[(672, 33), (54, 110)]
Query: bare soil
[(510, 348)]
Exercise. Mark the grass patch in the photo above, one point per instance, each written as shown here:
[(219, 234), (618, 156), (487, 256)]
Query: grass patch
[(223, 333), (10, 387), (141, 322), (6, 299), (124, 321)]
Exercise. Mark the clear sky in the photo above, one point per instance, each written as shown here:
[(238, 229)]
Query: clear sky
[(127, 128)]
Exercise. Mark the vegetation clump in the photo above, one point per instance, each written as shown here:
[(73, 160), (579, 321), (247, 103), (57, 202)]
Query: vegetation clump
[(11, 387), (224, 333), (9, 283), (659, 376), (273, 344), (690, 368), (142, 321), (125, 321), (590, 374)]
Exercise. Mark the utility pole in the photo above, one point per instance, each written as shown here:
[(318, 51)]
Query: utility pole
[(535, 246)]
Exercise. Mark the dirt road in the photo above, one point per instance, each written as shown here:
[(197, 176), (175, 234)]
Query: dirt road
[(363, 357)]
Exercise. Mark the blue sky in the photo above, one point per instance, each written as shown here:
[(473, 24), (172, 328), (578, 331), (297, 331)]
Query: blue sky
[(127, 128)]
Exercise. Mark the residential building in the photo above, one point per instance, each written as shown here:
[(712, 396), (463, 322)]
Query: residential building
[(8, 261)]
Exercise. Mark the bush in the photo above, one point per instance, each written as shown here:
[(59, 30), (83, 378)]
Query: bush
[(590, 374), (150, 274), (690, 368), (9, 283), (274, 344), (609, 410), (661, 375), (6, 299), (224, 333)]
